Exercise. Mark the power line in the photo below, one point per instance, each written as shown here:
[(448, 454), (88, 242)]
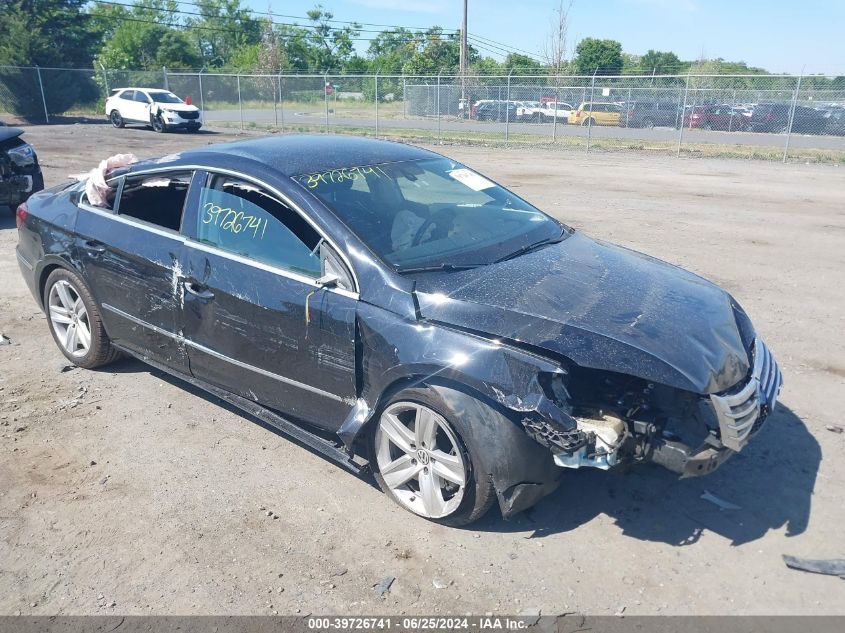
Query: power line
[(299, 17), (512, 48), (230, 18)]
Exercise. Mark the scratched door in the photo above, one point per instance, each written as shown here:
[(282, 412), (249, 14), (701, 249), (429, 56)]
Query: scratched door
[(249, 272), (132, 267)]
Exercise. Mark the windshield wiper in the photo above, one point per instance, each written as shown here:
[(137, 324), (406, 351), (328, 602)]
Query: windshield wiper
[(443, 268), (533, 247)]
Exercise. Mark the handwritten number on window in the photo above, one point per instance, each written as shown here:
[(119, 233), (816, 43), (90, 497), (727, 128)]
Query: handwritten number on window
[(236, 222)]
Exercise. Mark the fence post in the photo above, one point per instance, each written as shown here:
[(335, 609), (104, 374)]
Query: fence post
[(105, 79), (326, 98), (275, 103), (792, 115), (508, 111), (282, 101), (376, 80), (164, 73), (202, 99), (554, 114), (43, 98), (683, 113), (628, 104), (590, 117), (240, 102), (404, 96), (437, 100), (733, 105)]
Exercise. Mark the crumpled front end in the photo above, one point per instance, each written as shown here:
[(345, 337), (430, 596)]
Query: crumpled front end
[(20, 174), (635, 421)]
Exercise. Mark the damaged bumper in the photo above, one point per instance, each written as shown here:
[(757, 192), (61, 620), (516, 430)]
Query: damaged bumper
[(605, 441), (17, 187)]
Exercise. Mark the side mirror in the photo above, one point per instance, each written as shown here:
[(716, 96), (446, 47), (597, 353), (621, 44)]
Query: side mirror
[(329, 280)]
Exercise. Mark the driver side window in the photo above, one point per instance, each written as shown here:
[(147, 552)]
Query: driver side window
[(242, 218)]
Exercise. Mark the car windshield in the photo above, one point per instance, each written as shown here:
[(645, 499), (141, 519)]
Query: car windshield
[(165, 97), (431, 213)]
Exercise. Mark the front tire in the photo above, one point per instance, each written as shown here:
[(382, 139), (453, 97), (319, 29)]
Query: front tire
[(420, 460), (75, 322), (158, 124), (117, 120)]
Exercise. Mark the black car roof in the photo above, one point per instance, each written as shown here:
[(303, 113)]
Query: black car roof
[(293, 155)]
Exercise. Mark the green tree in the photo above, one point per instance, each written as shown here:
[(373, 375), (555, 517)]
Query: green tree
[(519, 64), (434, 54), (50, 34), (661, 63), (330, 48), (222, 27), (603, 57)]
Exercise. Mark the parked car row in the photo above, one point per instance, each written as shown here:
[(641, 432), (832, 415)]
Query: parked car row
[(762, 117), (597, 113)]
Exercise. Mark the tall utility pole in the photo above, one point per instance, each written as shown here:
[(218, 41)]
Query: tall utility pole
[(464, 65)]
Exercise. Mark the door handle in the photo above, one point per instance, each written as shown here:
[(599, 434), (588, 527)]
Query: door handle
[(199, 291), (93, 246)]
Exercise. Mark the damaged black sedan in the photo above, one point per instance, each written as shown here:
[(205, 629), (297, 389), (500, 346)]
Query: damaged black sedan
[(394, 309), (20, 173)]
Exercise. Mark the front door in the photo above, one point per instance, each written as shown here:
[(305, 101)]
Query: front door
[(255, 321)]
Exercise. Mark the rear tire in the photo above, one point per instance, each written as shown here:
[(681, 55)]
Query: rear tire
[(75, 322), (421, 461), (588, 122), (117, 120)]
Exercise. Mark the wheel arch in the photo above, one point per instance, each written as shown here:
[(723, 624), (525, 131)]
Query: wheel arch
[(46, 267), (521, 470)]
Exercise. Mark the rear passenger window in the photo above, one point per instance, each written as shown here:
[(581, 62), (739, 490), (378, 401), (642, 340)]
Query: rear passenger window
[(157, 199), (243, 218)]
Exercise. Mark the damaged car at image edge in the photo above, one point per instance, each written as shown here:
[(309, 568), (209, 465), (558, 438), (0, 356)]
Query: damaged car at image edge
[(395, 310), (20, 173)]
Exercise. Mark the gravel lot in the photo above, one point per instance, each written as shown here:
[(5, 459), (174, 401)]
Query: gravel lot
[(121, 491)]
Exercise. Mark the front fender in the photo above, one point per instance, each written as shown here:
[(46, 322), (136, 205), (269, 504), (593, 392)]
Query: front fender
[(492, 387)]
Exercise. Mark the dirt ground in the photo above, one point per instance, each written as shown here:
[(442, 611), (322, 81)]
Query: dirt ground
[(121, 491)]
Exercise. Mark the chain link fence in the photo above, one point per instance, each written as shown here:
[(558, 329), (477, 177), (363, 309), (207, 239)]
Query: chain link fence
[(761, 116)]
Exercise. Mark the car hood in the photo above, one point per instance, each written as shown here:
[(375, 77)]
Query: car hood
[(604, 307), (9, 132)]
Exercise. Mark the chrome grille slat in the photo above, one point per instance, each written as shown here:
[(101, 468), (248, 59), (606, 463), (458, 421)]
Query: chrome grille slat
[(751, 405), (739, 413)]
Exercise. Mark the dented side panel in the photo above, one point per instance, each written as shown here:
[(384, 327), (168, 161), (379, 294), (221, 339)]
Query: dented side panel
[(248, 332), (134, 273), (399, 351)]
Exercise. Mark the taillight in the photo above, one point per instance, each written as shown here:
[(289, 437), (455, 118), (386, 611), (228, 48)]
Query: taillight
[(20, 214)]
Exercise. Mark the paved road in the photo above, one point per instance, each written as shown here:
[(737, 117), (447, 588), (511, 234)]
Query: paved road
[(292, 118)]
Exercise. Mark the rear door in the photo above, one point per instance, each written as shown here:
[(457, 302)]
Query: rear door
[(130, 258), (256, 322)]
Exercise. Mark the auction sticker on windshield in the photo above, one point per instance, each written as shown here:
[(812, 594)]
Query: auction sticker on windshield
[(474, 181)]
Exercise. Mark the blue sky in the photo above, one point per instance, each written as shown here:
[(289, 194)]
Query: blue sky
[(779, 35)]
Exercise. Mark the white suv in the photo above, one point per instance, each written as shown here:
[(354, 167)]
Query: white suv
[(161, 109)]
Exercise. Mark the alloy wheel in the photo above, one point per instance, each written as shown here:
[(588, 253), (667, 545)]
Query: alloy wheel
[(420, 459), (69, 319)]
